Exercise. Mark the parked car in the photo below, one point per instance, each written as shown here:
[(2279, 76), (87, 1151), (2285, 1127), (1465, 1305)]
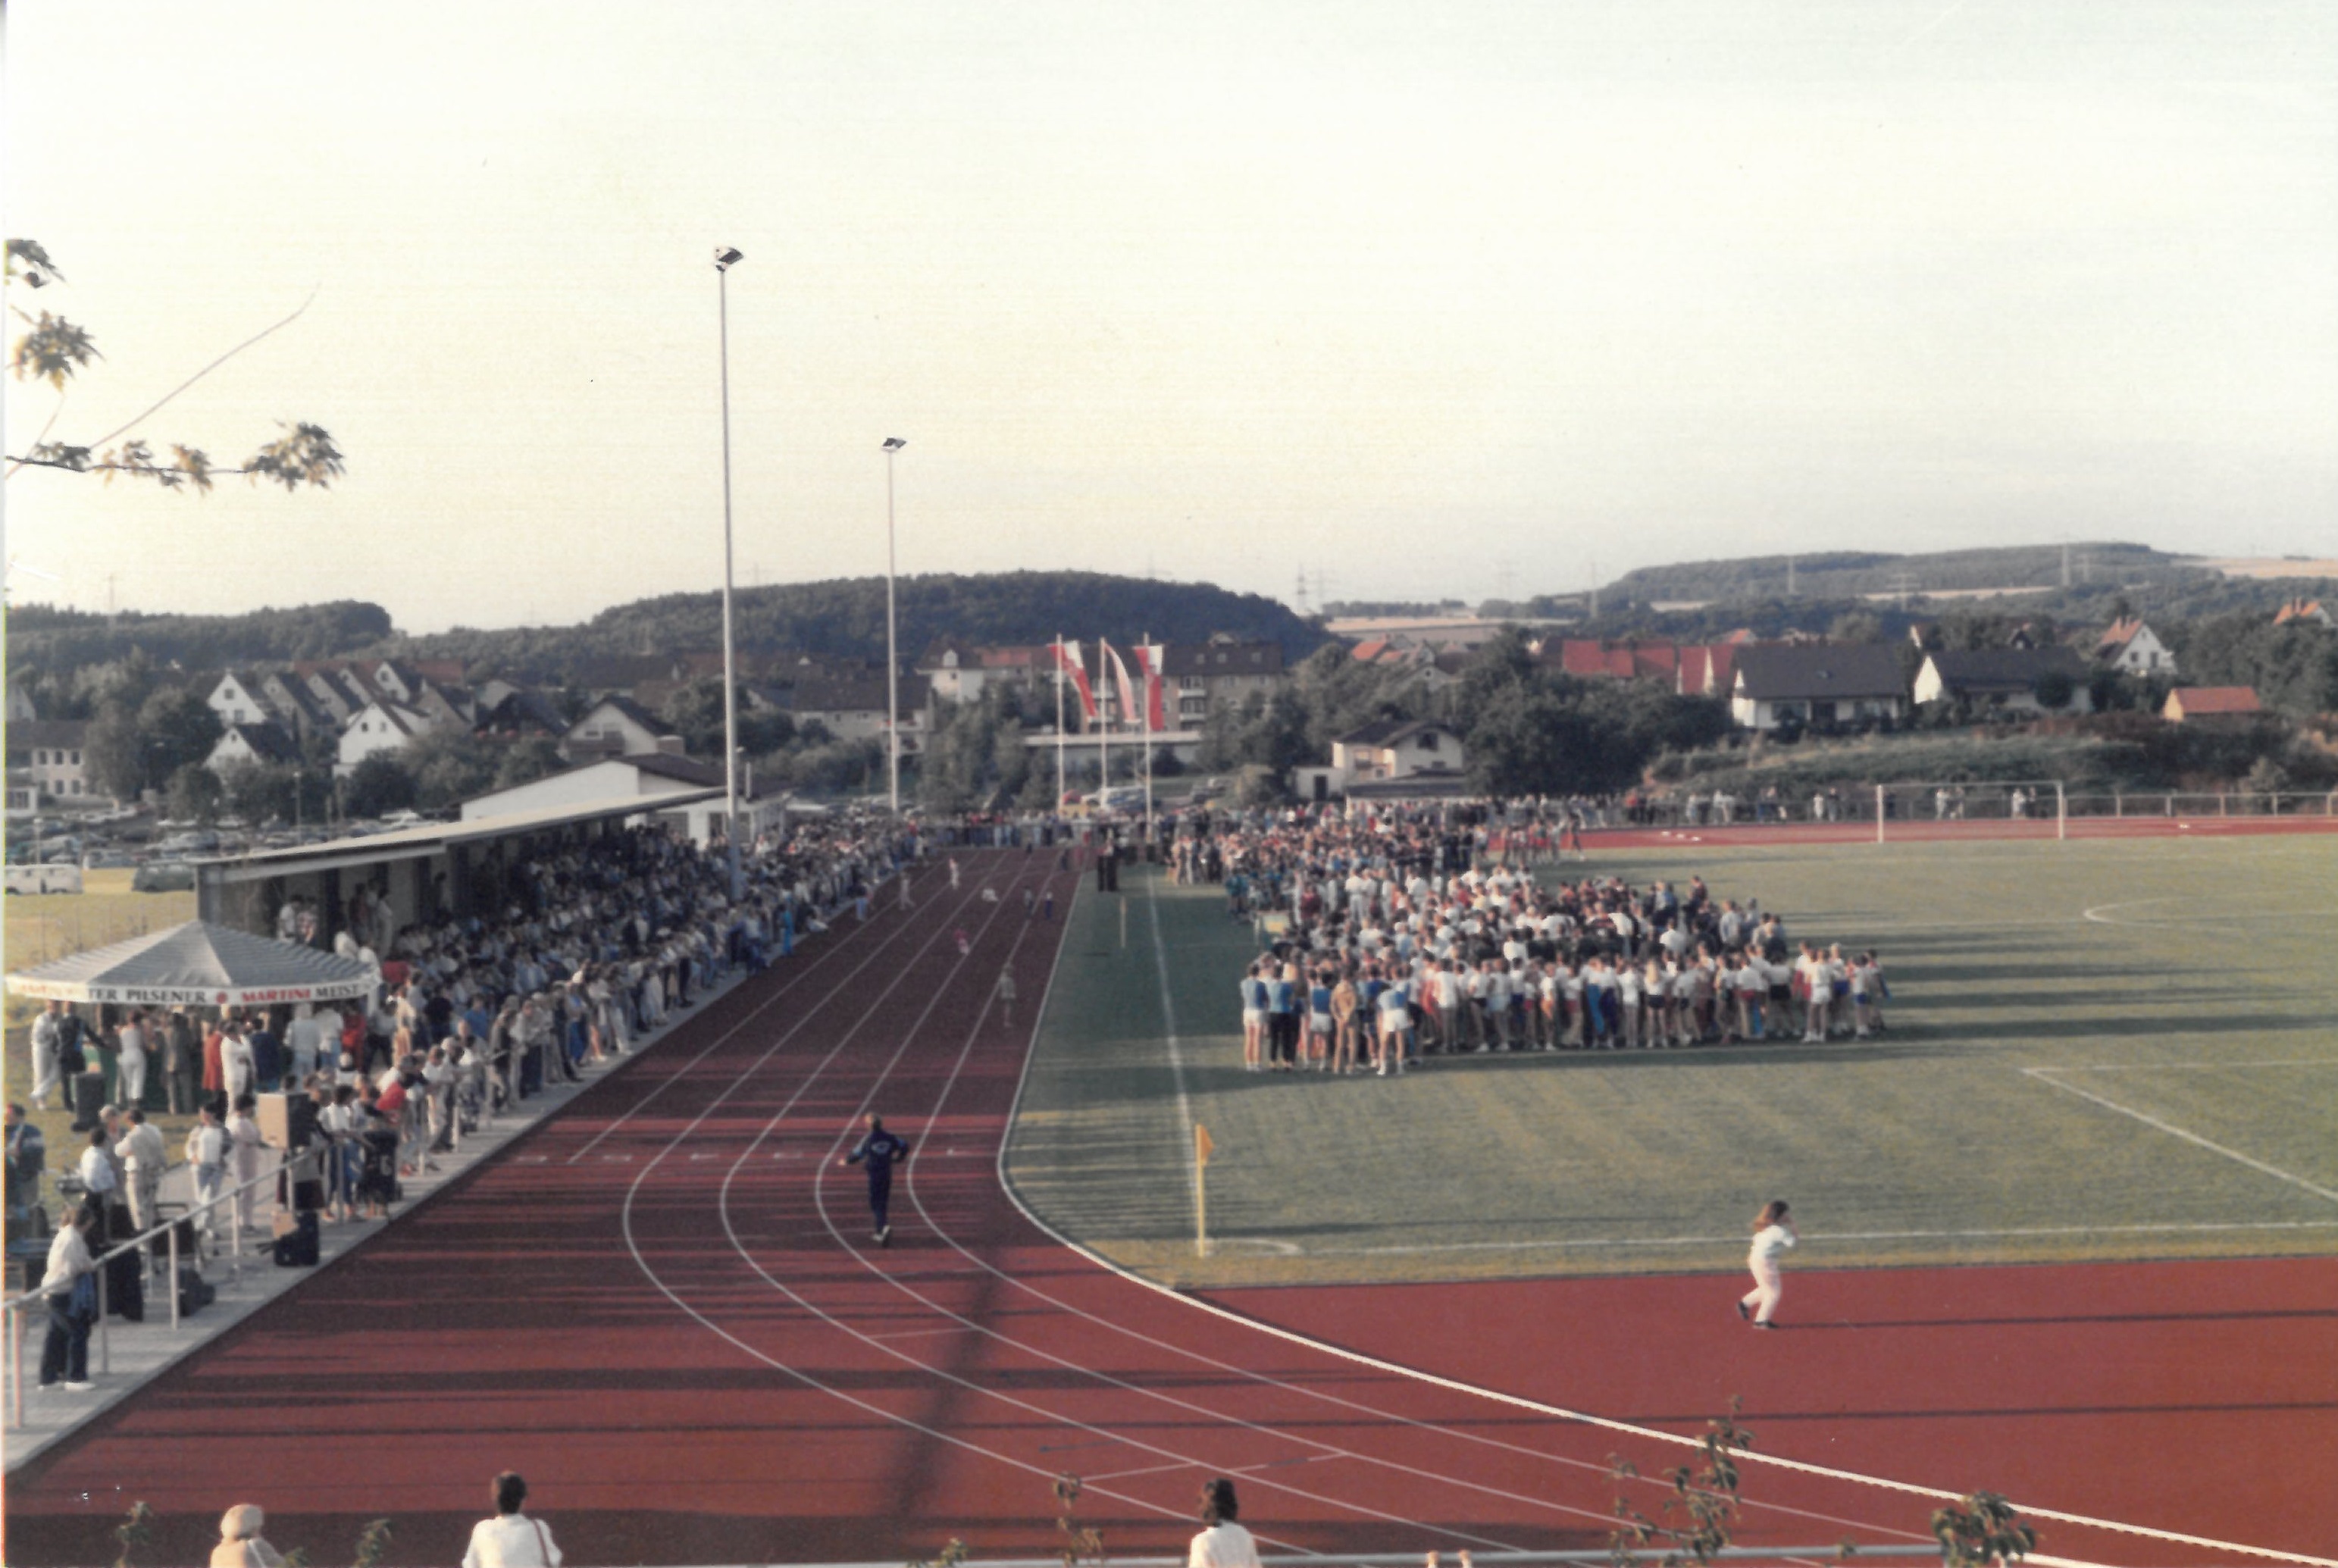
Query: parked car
[(163, 876)]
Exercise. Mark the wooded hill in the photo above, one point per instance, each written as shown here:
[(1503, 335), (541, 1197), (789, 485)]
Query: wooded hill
[(845, 618), (841, 619)]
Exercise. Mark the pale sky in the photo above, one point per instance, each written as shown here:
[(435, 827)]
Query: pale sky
[(1430, 299)]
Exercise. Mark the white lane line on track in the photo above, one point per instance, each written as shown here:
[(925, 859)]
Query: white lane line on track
[(984, 1267), (1553, 1244), (819, 961), (2044, 1075), (1103, 1434), (819, 1199), (1212, 1413), (1584, 1417), (633, 1246)]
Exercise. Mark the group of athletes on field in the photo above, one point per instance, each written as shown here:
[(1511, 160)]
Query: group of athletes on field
[(1397, 945)]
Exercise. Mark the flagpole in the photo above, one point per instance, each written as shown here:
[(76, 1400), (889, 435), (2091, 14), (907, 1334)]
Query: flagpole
[(1104, 728), (1058, 809), (1145, 702)]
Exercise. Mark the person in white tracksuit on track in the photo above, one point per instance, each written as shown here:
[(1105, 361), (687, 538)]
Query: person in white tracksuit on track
[(1773, 1234)]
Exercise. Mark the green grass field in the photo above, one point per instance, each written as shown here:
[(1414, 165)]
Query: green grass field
[(2098, 1050)]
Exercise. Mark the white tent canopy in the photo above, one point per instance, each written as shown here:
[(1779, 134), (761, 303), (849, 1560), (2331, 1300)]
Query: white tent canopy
[(199, 964)]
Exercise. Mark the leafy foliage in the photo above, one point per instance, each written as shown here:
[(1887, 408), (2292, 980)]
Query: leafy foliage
[(54, 350), (1699, 1515), (136, 1531), (379, 784), (1080, 1543), (1982, 1531), (194, 795)]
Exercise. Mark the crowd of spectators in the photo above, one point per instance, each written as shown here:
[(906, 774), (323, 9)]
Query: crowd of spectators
[(1397, 933), (595, 946)]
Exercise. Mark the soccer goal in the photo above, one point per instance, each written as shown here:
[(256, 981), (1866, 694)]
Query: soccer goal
[(1919, 809)]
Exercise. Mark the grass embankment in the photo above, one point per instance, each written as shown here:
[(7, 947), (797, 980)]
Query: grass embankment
[(2178, 981)]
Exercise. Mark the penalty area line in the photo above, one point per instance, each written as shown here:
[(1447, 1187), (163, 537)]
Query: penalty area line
[(2044, 1075)]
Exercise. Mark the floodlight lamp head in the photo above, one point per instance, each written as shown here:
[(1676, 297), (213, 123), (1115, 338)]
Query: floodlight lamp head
[(725, 258), (894, 443)]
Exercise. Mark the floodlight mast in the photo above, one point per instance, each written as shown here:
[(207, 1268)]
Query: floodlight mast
[(725, 258), (893, 445)]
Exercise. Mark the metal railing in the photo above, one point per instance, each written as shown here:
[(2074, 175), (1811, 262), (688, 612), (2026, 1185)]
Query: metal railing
[(327, 1156)]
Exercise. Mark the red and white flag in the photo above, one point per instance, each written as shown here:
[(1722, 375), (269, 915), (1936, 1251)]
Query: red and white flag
[(1121, 684), (1148, 657), (1067, 660)]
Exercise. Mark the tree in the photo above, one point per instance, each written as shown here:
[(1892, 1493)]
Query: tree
[(378, 784), (259, 792), (193, 794), (448, 764), (115, 761), (56, 351), (176, 728), (528, 758)]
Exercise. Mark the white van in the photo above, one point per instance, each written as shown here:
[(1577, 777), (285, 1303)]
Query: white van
[(44, 878)]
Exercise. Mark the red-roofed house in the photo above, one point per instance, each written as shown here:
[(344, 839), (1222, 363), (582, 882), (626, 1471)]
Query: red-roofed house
[(2303, 609), (2130, 645), (2191, 704)]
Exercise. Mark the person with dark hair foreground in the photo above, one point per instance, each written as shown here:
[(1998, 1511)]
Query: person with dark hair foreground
[(511, 1539), (879, 1150), (1223, 1544)]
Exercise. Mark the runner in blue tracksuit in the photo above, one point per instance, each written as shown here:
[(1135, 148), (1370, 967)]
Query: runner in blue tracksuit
[(879, 1150)]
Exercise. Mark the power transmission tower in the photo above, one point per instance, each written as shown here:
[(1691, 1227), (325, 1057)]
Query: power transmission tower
[(1302, 591)]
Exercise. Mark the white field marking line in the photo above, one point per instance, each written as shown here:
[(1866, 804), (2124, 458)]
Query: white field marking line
[(2044, 1075), (832, 951), (1606, 1422), (1405, 1250), (1177, 1053), (1208, 1413), (820, 1199), (2099, 915), (2192, 1066), (1252, 1375), (633, 1246)]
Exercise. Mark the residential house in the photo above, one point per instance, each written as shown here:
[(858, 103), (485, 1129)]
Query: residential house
[(294, 706), (961, 671), (1817, 683), (2005, 680), (2134, 648), (1222, 673), (1392, 757), (44, 757), (381, 726), (854, 710), (337, 694), (444, 704), (516, 710), (19, 704), (2305, 610), (237, 698), (267, 742), (2211, 704), (615, 726)]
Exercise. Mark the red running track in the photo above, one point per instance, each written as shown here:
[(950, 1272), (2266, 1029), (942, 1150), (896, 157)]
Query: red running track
[(663, 1307)]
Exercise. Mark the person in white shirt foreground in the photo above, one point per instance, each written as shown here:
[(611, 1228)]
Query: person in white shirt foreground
[(511, 1539), (1223, 1544), (1774, 1233)]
